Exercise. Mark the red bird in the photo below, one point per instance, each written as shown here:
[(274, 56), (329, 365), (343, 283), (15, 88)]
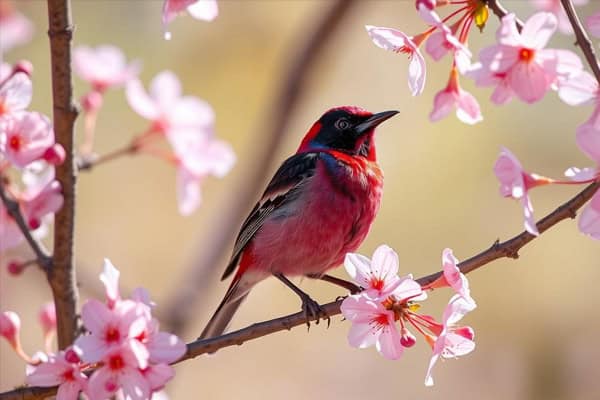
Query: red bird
[(319, 206)]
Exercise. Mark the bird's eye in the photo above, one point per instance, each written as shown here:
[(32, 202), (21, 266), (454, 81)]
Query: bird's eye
[(342, 124)]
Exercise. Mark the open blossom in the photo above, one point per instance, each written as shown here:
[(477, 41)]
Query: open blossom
[(103, 67), (515, 182), (398, 42), (593, 24), (62, 369), (15, 93), (520, 64), (379, 277), (453, 96), (556, 8), (25, 137), (188, 124), (452, 341), (205, 10), (16, 28), (443, 41)]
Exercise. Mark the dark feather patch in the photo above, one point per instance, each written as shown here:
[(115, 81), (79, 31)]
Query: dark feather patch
[(282, 189)]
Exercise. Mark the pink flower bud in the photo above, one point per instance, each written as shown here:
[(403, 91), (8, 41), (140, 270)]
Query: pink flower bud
[(15, 268), (71, 356), (10, 325), (55, 154), (407, 339), (465, 331), (92, 101), (47, 317), (34, 223), (23, 66), (429, 4)]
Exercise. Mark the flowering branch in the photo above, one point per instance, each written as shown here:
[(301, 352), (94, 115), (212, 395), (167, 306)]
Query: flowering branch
[(279, 115), (509, 248), (62, 275), (583, 40), (12, 207), (499, 10)]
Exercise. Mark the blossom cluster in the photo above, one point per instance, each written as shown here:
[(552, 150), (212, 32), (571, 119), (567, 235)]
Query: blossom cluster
[(122, 353), (386, 310)]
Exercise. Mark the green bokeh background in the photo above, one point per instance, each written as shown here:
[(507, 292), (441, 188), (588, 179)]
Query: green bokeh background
[(537, 321)]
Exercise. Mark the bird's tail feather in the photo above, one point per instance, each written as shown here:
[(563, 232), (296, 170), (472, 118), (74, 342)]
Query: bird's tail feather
[(224, 313)]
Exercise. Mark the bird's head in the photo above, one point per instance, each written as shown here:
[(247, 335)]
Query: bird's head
[(348, 129)]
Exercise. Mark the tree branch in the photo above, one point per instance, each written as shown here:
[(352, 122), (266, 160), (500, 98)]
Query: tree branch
[(499, 10), (509, 248), (194, 281), (62, 275), (13, 209), (583, 40)]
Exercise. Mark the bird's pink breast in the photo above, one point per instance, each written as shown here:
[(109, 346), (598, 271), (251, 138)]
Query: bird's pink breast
[(331, 217)]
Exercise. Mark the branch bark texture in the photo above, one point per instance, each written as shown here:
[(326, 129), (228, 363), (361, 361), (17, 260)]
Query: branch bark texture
[(61, 276)]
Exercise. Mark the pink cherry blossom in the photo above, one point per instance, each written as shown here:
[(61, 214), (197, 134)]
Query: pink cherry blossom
[(519, 64), (188, 124), (42, 197), (121, 368), (109, 328), (593, 24), (453, 341), (556, 8), (110, 279), (25, 137), (10, 327), (60, 370), (443, 41), (163, 347), (205, 10), (47, 318), (589, 221), (398, 42), (453, 96), (456, 279), (103, 67), (372, 324), (15, 94), (515, 182), (157, 375), (10, 234), (379, 277), (16, 28)]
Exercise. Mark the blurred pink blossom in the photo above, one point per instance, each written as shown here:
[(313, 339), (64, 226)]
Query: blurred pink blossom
[(520, 65), (47, 318), (59, 369), (188, 124), (15, 93), (25, 137), (103, 67), (16, 28), (515, 182), (453, 96), (556, 8), (205, 10), (453, 341), (10, 327), (398, 42), (593, 24), (589, 221)]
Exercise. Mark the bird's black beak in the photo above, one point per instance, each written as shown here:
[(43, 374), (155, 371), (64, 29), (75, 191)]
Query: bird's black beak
[(373, 121)]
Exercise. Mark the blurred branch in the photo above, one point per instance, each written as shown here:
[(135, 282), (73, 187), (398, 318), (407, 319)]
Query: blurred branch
[(197, 278), (583, 40), (89, 161), (499, 10), (509, 249), (12, 207), (62, 274)]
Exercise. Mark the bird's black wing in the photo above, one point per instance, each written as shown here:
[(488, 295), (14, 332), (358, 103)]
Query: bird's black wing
[(283, 188)]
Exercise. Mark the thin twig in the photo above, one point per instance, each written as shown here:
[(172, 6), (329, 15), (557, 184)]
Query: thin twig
[(43, 259), (583, 40), (509, 249), (87, 162), (196, 279), (62, 275), (499, 10)]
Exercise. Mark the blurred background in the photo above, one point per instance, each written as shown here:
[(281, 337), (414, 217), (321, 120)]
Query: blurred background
[(536, 324)]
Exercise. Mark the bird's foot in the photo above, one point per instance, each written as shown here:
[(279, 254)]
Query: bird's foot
[(313, 311)]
